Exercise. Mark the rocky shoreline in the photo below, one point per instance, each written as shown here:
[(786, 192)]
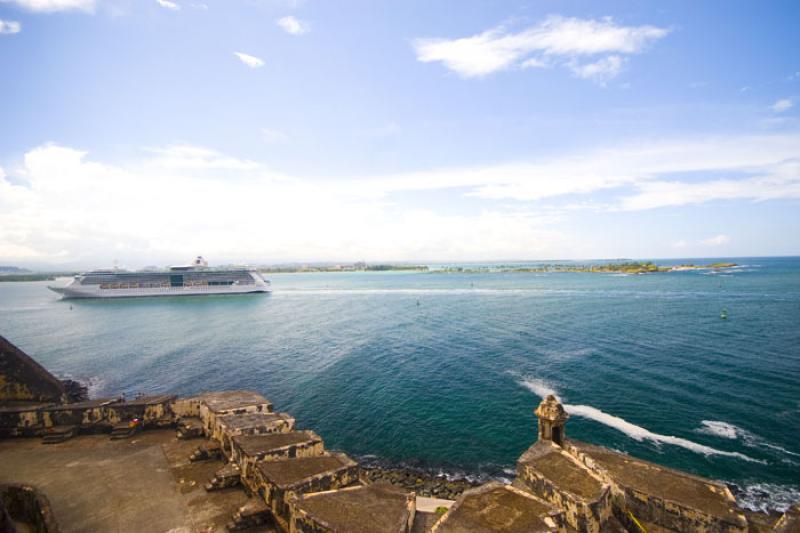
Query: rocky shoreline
[(421, 482)]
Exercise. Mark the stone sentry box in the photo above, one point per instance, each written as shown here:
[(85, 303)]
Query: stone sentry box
[(248, 450), (278, 481)]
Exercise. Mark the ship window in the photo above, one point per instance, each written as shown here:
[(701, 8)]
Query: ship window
[(176, 280)]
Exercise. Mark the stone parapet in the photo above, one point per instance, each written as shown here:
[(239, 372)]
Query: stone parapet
[(248, 450), (646, 492), (249, 424), (377, 508), (552, 474), (235, 402), (24, 380), (501, 508), (279, 481)]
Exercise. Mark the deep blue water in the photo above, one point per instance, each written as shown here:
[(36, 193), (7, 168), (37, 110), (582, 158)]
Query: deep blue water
[(444, 370)]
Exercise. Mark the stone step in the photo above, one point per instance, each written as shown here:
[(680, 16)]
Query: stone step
[(206, 451), (57, 434), (190, 428), (126, 429), (227, 476), (252, 514)]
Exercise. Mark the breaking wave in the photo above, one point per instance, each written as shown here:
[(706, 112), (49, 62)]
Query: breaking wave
[(94, 384), (542, 389)]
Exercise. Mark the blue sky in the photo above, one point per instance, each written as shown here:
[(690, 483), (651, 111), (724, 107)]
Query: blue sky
[(276, 130)]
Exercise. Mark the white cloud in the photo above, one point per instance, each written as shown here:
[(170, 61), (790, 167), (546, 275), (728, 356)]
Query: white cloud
[(49, 6), (184, 156), (776, 181), (679, 244), (535, 62), (250, 61), (64, 205), (74, 208), (168, 5), (638, 170), (273, 136), (555, 38), (782, 105), (293, 25), (717, 240), (600, 71), (9, 26)]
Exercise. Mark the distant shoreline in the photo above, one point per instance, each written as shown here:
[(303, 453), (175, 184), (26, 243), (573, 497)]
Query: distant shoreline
[(632, 267)]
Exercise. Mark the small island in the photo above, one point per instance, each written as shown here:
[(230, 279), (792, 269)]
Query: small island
[(628, 267)]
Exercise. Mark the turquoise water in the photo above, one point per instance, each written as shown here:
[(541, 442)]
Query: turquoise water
[(444, 370)]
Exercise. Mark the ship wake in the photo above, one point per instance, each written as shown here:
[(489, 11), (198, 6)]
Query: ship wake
[(638, 433)]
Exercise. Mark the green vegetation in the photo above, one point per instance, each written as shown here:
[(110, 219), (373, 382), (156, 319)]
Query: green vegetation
[(354, 267), (43, 276), (699, 267), (622, 267), (629, 267), (395, 267)]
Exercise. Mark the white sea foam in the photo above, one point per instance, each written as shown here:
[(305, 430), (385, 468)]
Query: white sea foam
[(539, 387), (727, 430), (720, 429), (565, 355), (766, 496), (639, 433), (94, 385), (542, 389), (462, 291)]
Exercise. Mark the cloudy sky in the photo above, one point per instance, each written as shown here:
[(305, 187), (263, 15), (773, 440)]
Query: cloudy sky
[(150, 131)]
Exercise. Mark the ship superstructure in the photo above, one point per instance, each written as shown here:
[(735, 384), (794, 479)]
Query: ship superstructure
[(196, 278)]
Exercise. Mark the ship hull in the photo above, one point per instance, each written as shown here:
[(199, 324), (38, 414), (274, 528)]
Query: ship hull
[(70, 292), (190, 280)]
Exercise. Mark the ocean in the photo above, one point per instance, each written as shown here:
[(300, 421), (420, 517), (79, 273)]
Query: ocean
[(443, 371)]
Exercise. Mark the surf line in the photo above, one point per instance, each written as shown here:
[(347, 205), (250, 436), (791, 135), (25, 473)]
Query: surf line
[(637, 433)]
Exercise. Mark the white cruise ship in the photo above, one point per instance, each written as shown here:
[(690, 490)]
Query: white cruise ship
[(194, 279)]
